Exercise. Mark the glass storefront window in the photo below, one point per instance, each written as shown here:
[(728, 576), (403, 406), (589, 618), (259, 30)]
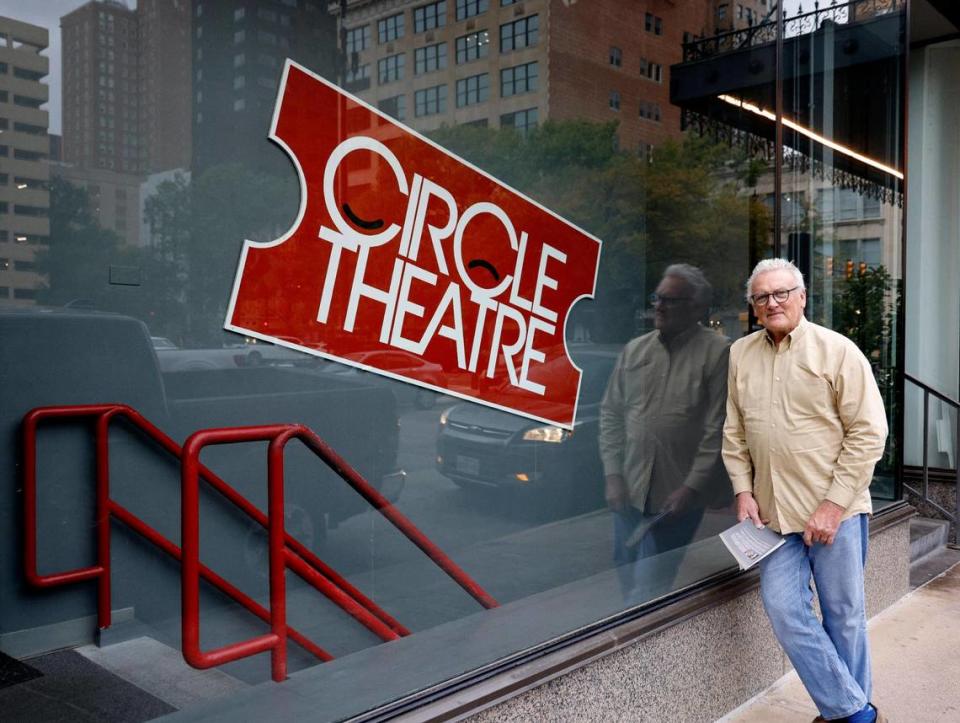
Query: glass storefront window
[(119, 249)]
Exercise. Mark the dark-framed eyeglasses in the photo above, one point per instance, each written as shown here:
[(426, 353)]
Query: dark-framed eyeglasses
[(779, 296), (658, 300)]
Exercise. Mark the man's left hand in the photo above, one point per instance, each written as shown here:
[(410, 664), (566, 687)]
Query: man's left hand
[(679, 500), (823, 524)]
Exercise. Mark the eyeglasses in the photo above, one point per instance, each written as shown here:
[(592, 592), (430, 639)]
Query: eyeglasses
[(656, 299), (778, 296)]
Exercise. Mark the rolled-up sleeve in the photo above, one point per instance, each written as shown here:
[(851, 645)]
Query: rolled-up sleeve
[(736, 454), (864, 420)]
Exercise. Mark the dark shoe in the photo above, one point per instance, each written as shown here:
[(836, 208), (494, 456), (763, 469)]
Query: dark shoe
[(819, 719)]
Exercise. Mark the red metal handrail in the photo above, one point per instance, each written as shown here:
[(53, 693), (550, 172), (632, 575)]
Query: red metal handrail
[(285, 551)]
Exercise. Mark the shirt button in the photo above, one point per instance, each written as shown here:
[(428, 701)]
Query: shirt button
[(775, 401), (778, 379)]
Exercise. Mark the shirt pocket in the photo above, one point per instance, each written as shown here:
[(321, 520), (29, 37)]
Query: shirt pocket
[(810, 396)]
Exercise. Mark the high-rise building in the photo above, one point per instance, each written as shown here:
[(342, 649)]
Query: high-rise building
[(124, 71), (164, 64), (101, 87), (24, 145), (507, 63), (239, 51)]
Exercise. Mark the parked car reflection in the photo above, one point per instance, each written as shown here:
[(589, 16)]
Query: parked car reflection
[(480, 448)]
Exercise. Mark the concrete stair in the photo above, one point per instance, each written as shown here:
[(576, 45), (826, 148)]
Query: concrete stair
[(929, 553)]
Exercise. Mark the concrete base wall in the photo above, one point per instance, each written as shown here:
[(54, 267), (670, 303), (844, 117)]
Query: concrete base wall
[(698, 669)]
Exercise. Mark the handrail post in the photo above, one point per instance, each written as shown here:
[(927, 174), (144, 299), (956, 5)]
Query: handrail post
[(190, 546), (278, 557), (925, 443), (956, 487), (104, 612)]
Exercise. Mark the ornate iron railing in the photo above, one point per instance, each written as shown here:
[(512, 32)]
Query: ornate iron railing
[(802, 23)]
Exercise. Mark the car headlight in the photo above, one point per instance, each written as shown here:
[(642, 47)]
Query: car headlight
[(546, 434), (444, 415)]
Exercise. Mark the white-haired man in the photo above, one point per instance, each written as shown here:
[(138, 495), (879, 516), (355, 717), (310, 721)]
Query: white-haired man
[(805, 426)]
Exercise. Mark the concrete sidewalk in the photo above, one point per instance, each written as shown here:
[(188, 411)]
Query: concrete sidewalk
[(916, 663)]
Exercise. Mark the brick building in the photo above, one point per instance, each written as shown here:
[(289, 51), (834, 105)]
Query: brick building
[(506, 63)]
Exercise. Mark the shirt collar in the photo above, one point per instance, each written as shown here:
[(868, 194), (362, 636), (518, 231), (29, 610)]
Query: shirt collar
[(680, 339), (794, 335)]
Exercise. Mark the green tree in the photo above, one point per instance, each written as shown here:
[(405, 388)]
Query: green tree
[(76, 261)]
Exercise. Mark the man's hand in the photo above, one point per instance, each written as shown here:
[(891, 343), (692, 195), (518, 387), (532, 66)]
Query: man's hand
[(823, 523), (618, 498), (679, 500), (747, 507)]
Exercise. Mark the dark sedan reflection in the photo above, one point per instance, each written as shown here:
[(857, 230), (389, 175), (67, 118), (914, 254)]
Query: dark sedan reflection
[(486, 450)]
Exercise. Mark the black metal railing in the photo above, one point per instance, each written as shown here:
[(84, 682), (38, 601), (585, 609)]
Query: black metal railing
[(924, 492), (802, 23)]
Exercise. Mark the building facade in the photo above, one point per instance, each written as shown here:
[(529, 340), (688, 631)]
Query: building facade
[(458, 554), (239, 47), (24, 193)]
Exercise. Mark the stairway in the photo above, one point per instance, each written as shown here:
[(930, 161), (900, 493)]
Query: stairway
[(929, 554)]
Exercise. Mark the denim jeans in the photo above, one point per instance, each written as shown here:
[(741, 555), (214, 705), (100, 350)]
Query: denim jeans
[(672, 532), (832, 658)]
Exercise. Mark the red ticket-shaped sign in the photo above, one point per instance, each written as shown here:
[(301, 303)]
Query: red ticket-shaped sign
[(409, 262)]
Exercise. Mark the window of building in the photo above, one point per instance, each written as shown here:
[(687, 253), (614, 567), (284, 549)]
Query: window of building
[(23, 265), (522, 121), (518, 79), (356, 75), (473, 46), (616, 57), (395, 106), (473, 89), (239, 81), (239, 14), (358, 39), (651, 71), (469, 8), (24, 293), (648, 22), (645, 151), (238, 37), (519, 34), (722, 11), (239, 104), (390, 28), (4, 264), (504, 3), (658, 26), (614, 100), (239, 59), (390, 69), (650, 110), (430, 58), (428, 17), (430, 101)]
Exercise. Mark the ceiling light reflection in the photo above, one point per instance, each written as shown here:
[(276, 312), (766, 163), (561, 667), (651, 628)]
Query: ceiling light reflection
[(745, 105)]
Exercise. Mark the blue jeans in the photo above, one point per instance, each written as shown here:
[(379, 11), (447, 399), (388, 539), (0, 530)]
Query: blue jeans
[(832, 658), (672, 532)]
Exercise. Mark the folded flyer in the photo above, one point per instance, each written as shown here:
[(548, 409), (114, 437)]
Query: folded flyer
[(749, 544)]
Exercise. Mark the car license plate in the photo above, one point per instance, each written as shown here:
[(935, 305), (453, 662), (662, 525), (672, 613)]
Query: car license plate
[(468, 465)]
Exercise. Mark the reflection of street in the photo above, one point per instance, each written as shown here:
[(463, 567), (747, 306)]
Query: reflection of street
[(451, 517)]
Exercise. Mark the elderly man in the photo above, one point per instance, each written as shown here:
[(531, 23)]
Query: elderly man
[(805, 427), (661, 422)]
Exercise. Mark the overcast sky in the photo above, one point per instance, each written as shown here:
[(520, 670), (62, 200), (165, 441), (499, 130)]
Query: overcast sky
[(47, 14)]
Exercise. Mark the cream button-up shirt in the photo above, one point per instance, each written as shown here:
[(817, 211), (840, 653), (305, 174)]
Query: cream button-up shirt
[(805, 423), (661, 419)]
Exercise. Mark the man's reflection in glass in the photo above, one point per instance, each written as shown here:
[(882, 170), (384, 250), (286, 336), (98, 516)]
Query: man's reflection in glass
[(661, 423)]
